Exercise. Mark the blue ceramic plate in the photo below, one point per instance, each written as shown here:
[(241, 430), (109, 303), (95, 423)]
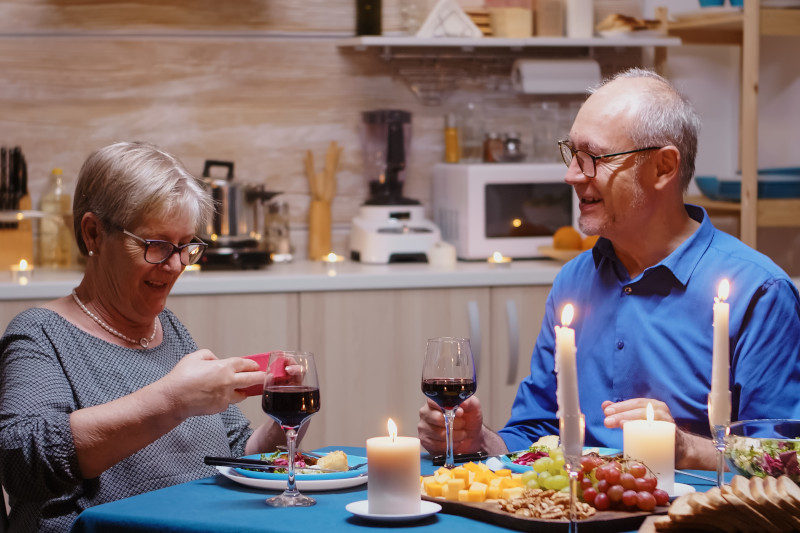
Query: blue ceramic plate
[(351, 460), (506, 460)]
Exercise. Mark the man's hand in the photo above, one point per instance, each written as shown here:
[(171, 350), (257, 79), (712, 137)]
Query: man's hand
[(634, 409), (467, 427)]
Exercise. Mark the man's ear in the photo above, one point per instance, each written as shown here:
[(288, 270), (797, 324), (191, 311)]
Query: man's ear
[(667, 162)]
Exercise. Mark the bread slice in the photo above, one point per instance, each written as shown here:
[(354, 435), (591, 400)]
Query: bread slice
[(740, 486), (789, 491), (753, 518), (756, 486), (696, 510), (665, 523)]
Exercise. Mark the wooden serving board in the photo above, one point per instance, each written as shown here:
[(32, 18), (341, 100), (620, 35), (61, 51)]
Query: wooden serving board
[(602, 521)]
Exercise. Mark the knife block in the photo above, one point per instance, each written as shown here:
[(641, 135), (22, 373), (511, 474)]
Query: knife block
[(17, 243)]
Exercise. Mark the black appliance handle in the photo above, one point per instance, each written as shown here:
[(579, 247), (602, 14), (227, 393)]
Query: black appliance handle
[(214, 163)]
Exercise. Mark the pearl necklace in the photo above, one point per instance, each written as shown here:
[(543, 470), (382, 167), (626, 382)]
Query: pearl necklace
[(143, 342)]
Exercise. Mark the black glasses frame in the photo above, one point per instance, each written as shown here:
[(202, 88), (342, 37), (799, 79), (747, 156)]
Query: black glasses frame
[(175, 249), (568, 153)]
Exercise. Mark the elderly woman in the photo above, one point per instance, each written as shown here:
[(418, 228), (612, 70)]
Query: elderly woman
[(103, 393)]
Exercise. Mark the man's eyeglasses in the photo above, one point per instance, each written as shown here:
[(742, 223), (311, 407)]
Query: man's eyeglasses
[(588, 162), (156, 252)]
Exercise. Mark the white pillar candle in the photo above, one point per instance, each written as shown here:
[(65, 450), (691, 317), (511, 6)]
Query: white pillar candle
[(719, 405), (569, 408), (394, 470), (652, 442)]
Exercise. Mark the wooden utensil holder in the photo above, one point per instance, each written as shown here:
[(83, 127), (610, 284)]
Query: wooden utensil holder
[(319, 229)]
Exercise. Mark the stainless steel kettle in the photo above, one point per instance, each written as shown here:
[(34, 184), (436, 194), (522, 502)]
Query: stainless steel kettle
[(239, 215)]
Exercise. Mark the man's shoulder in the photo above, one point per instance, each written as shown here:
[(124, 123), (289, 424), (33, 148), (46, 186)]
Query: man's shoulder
[(730, 252)]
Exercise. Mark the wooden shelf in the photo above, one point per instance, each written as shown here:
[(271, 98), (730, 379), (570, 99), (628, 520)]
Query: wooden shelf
[(770, 212), (726, 28)]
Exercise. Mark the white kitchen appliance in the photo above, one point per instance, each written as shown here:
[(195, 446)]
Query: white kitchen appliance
[(511, 208), (389, 228)]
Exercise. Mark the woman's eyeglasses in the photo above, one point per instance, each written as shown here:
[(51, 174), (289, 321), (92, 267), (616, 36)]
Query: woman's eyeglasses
[(156, 252), (588, 162)]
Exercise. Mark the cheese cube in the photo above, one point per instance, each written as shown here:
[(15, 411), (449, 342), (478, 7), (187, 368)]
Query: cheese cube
[(450, 490), (432, 488), (477, 492), (493, 492), (503, 472), (513, 492), (463, 495)]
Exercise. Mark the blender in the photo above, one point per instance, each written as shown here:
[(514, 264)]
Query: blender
[(389, 227)]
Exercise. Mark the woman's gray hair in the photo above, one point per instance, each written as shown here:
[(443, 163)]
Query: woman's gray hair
[(666, 117), (125, 184)]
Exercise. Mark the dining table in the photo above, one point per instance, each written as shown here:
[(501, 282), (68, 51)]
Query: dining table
[(221, 505)]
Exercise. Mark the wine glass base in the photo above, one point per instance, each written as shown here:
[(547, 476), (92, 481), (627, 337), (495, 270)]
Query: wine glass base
[(295, 500)]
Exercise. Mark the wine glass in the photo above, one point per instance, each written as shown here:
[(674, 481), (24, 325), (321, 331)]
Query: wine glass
[(448, 378), (291, 396)]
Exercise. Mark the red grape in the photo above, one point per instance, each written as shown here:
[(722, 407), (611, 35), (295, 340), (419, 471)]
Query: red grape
[(645, 501), (601, 501), (587, 463), (586, 482), (629, 498), (627, 480), (589, 495), (615, 493), (661, 496), (646, 484), (612, 474), (602, 485), (637, 469), (600, 473)]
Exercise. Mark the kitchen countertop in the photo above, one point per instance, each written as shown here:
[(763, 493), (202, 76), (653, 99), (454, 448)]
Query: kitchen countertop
[(302, 276)]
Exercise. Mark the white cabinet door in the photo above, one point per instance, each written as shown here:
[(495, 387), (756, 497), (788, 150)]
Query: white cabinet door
[(517, 314), (370, 346), (231, 325)]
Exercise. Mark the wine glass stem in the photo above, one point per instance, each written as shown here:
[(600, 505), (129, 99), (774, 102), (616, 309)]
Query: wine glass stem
[(449, 415), (573, 495), (291, 442), (720, 467)]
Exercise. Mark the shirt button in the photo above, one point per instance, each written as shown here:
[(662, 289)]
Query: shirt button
[(620, 345), (628, 290)]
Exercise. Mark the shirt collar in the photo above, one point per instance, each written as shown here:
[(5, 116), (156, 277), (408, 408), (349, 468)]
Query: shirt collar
[(681, 262)]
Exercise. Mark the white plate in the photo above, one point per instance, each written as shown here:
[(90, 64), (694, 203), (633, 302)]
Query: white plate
[(679, 489), (361, 509), (303, 485)]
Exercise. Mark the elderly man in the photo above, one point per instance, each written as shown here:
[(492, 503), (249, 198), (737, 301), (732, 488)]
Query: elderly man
[(644, 293)]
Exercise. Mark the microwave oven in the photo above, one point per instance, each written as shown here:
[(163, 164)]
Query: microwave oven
[(511, 208)]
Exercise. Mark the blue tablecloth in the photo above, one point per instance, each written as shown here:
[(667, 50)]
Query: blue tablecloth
[(221, 505)]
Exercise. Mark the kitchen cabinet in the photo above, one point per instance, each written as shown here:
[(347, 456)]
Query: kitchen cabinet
[(370, 346), (516, 318), (745, 29), (232, 325)]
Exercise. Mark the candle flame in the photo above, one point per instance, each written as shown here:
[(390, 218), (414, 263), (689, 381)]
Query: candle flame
[(724, 290), (650, 412), (23, 265), (392, 429), (331, 257), (497, 256), (567, 314)]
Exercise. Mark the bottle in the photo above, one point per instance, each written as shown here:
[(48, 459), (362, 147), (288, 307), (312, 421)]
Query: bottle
[(471, 134), (368, 17), (452, 153), (493, 148), (55, 234)]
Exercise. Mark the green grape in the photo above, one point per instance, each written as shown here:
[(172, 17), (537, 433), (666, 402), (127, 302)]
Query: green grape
[(528, 475), (557, 466), (542, 464), (543, 477), (565, 489), (532, 484), (557, 482)]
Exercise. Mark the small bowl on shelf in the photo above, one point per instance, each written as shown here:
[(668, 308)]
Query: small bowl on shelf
[(764, 447)]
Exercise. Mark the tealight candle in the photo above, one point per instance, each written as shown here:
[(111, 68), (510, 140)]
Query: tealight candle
[(569, 409), (498, 259), (331, 262), (22, 273), (191, 270), (652, 442), (719, 404), (394, 470)]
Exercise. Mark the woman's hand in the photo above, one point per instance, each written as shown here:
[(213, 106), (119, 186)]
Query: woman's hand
[(202, 384)]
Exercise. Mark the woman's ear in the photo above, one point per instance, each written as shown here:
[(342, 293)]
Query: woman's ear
[(92, 231), (667, 164)]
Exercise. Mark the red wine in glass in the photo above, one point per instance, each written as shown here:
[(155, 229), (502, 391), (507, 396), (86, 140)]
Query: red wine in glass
[(290, 406), (448, 393), (290, 397)]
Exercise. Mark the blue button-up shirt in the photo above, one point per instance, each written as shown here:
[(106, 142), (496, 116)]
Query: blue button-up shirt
[(652, 337)]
